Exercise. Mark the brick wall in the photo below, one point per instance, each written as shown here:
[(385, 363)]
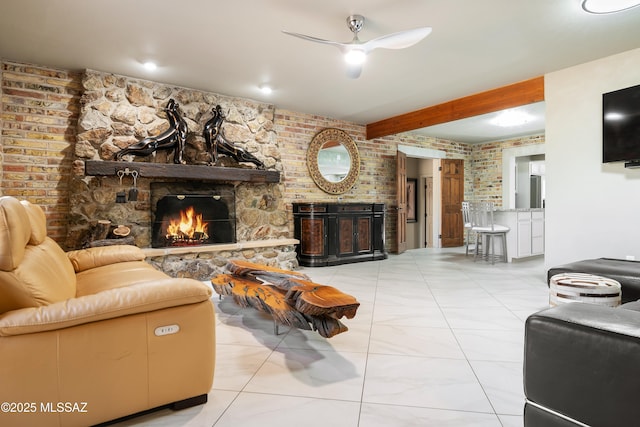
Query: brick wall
[(377, 180), (39, 114), (39, 110), (485, 166)]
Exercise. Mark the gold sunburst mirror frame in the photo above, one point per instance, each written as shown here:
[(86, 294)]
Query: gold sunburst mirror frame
[(330, 170)]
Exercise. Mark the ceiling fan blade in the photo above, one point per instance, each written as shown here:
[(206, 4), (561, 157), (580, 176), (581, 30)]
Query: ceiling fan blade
[(399, 40), (342, 46)]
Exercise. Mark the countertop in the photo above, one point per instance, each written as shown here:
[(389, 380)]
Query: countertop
[(521, 210)]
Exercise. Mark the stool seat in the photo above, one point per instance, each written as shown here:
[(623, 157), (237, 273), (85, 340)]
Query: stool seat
[(495, 229)]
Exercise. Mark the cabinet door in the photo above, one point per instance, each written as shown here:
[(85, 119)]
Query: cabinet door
[(363, 242), (537, 233), (346, 235), (524, 234), (312, 236), (354, 235)]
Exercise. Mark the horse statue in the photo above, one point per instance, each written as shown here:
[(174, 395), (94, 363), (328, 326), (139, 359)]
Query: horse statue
[(174, 137), (217, 144)]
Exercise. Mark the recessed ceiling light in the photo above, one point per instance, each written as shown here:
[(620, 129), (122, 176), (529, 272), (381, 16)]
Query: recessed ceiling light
[(265, 89), (150, 66), (510, 118), (608, 6)]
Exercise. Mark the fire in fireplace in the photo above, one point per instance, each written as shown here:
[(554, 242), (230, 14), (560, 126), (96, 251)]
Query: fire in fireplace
[(190, 217), (190, 228)]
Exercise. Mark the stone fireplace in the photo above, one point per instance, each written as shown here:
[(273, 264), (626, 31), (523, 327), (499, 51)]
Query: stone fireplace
[(242, 211), (192, 214)]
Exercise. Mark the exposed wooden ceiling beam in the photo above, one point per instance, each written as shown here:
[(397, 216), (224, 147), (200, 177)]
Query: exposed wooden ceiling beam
[(514, 95)]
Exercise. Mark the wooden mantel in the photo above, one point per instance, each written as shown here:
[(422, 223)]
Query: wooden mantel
[(514, 95), (170, 170)]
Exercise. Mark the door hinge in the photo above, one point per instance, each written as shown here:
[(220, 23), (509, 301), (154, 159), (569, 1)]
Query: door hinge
[(439, 168)]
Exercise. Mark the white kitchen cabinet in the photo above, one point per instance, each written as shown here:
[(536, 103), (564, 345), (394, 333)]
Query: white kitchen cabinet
[(537, 232), (526, 235)]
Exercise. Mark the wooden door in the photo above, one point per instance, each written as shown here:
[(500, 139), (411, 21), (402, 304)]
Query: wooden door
[(452, 227), (401, 202)]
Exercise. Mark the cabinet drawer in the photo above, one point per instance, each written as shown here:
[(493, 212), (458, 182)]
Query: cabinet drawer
[(537, 215), (524, 216)]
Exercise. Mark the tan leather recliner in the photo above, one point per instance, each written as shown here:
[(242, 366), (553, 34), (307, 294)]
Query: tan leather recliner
[(93, 335)]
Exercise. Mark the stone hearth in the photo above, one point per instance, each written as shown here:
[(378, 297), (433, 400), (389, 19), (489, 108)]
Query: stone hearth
[(204, 262)]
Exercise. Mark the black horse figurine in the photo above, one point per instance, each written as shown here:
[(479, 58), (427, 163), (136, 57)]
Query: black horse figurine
[(217, 144), (174, 137)]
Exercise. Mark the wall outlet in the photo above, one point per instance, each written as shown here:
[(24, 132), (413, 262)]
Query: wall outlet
[(631, 258)]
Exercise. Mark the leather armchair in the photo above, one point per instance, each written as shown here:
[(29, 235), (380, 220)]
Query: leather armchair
[(93, 335), (581, 366)]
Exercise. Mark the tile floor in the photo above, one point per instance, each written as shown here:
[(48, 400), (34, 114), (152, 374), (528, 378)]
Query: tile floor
[(438, 340)]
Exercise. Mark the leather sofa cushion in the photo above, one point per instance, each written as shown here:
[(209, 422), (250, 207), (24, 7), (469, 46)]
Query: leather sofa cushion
[(582, 360), (34, 270), (37, 222), (44, 276), (86, 259), (112, 276), (15, 233), (110, 304)]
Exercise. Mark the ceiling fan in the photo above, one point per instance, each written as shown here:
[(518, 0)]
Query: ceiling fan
[(355, 52)]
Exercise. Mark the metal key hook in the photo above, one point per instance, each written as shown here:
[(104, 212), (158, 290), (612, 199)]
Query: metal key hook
[(120, 174), (133, 191)]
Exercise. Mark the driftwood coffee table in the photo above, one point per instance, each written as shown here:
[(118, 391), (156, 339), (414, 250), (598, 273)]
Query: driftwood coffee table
[(290, 297)]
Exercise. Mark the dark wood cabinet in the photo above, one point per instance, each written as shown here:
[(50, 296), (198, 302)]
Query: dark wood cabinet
[(339, 233)]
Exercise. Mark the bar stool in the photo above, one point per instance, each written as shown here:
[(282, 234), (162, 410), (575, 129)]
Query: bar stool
[(487, 232), (466, 219)]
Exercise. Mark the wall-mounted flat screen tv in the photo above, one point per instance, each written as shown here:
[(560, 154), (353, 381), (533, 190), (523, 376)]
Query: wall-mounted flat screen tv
[(621, 125)]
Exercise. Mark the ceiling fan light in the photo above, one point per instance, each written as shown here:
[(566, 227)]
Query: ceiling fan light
[(355, 57), (608, 6)]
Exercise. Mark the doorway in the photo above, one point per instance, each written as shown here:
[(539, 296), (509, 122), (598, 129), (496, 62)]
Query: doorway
[(428, 209), (422, 167), (510, 158)]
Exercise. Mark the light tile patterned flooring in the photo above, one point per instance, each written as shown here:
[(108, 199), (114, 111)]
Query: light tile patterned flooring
[(438, 340)]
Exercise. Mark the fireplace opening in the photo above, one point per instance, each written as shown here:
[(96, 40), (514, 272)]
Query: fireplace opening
[(187, 216)]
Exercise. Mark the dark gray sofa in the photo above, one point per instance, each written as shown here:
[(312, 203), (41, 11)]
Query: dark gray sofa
[(582, 361)]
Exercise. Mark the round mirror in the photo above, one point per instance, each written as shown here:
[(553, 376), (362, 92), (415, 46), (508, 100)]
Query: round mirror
[(333, 161)]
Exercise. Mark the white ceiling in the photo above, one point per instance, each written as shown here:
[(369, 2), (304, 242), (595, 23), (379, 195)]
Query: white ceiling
[(232, 47), (479, 129)]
